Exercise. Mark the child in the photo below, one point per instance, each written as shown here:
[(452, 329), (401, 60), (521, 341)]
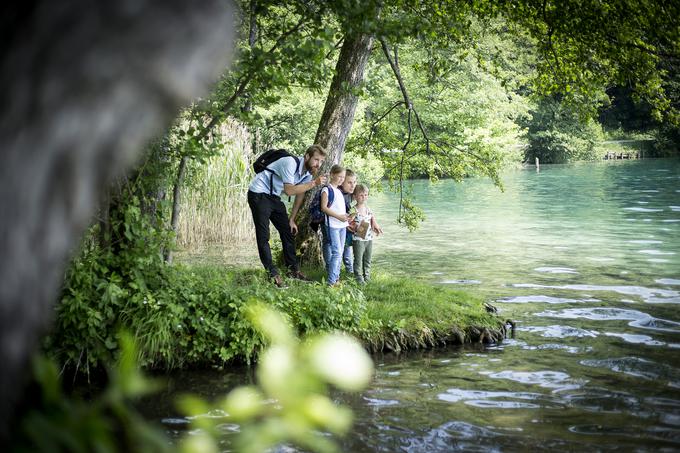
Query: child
[(362, 243), (347, 189), (336, 223)]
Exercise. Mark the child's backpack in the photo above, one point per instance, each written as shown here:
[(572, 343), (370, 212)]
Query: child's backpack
[(316, 215)]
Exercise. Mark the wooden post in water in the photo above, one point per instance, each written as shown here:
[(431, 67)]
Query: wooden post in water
[(538, 166)]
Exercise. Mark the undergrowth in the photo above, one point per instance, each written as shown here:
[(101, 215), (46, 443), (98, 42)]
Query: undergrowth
[(195, 315)]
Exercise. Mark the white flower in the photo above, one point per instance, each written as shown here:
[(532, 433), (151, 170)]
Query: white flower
[(276, 366), (342, 361)]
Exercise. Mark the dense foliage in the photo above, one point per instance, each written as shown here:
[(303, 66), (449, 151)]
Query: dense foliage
[(183, 315), (452, 89), (557, 134), (469, 73)]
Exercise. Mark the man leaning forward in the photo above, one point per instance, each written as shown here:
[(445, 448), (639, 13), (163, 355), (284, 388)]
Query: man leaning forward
[(292, 176)]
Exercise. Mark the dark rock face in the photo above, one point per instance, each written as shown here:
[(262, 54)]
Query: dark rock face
[(83, 86)]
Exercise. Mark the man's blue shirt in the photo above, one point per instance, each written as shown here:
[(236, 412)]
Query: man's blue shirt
[(283, 171)]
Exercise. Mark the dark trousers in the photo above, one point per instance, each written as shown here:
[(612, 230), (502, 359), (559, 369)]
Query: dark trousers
[(264, 208)]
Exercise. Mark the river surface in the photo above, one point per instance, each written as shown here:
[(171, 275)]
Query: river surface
[(586, 259)]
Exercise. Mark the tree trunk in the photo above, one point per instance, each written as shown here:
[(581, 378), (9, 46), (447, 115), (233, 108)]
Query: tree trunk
[(334, 127), (79, 107), (176, 200), (338, 113)]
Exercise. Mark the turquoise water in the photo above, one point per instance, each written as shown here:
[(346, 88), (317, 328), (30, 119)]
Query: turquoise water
[(586, 260)]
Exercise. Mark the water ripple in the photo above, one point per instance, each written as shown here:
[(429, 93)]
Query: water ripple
[(637, 318), (636, 339), (639, 209), (655, 252), (380, 402), (461, 282), (172, 421), (599, 400), (556, 270), (663, 325), (484, 399), (558, 331), (543, 299), (649, 295), (454, 436), (596, 313), (558, 347), (633, 366), (547, 379)]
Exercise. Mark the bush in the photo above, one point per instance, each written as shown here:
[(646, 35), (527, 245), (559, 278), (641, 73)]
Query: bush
[(184, 316), (557, 134)]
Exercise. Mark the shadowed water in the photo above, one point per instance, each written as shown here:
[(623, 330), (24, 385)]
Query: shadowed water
[(586, 260)]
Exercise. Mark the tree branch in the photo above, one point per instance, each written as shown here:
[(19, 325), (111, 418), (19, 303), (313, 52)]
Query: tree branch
[(335, 47), (247, 78), (376, 122)]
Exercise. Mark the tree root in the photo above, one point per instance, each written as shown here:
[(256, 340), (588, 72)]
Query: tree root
[(427, 338)]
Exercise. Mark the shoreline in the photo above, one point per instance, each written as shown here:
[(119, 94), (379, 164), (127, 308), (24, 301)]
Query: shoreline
[(198, 317)]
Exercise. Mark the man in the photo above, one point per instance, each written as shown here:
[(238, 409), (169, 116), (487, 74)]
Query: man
[(293, 176)]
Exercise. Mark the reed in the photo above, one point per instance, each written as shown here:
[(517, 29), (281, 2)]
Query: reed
[(214, 208)]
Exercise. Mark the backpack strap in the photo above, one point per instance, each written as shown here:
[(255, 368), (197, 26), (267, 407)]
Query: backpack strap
[(331, 196), (272, 172)]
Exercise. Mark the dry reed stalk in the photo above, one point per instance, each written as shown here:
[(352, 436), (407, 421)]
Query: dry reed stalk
[(214, 209)]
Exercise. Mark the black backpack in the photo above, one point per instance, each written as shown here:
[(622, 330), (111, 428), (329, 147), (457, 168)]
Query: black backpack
[(267, 158), (316, 216)]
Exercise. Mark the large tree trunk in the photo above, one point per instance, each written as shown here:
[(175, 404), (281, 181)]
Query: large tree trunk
[(84, 86), (334, 127)]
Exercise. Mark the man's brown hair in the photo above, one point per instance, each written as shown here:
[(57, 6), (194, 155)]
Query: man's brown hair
[(315, 149)]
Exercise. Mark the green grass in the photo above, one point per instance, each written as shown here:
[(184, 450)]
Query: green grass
[(405, 313), (411, 301), (196, 316)]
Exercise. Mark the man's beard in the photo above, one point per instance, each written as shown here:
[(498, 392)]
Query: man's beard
[(311, 170)]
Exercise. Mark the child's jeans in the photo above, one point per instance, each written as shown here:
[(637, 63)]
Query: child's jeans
[(362, 260), (347, 254), (336, 242), (347, 258)]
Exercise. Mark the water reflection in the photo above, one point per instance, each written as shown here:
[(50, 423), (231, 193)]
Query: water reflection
[(649, 295), (615, 234), (639, 319), (544, 299), (549, 379), (560, 331), (635, 366), (600, 246), (636, 339)]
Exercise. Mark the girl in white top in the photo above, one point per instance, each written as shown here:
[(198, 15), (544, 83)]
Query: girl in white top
[(362, 242), (336, 222)]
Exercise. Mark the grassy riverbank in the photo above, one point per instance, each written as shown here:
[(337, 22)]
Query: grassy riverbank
[(194, 315)]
